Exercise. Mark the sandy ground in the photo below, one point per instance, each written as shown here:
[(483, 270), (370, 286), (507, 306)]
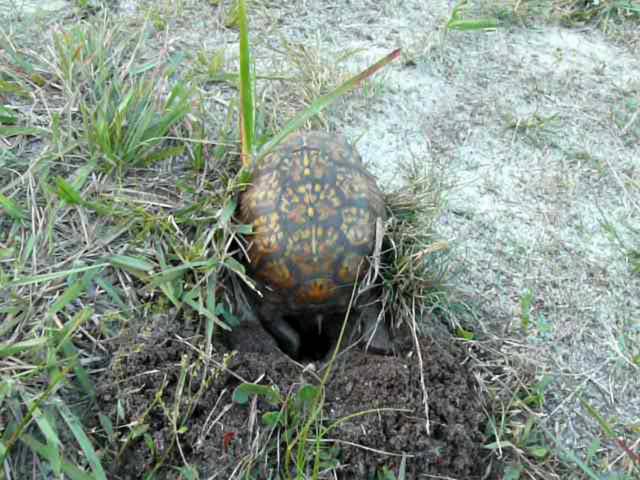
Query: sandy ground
[(538, 139), (528, 123)]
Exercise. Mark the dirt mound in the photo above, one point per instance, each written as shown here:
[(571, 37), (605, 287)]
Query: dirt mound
[(154, 388)]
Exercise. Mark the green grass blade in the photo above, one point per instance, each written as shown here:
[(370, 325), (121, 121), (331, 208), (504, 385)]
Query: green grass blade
[(30, 131), (46, 425), (47, 277), (163, 154), (246, 88), (73, 292), (68, 193), (7, 117), (12, 208), (71, 353), (7, 350), (321, 103), (85, 444), (189, 299), (473, 25), (131, 263), (108, 287), (173, 273), (72, 471), (604, 425)]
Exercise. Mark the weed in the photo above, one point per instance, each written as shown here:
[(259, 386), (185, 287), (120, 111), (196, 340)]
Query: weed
[(602, 12), (536, 129), (457, 22)]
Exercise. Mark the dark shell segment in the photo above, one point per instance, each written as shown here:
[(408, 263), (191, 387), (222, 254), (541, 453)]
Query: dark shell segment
[(313, 208)]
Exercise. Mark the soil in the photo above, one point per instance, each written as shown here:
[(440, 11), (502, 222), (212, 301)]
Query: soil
[(220, 434)]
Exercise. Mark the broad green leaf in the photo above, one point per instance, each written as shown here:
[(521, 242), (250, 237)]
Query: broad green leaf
[(272, 419), (308, 394), (243, 391), (538, 452), (464, 334)]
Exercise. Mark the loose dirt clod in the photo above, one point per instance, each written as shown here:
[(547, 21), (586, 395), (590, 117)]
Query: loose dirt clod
[(147, 368)]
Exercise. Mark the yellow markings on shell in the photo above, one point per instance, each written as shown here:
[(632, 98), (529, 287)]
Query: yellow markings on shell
[(277, 274), (356, 225), (268, 233)]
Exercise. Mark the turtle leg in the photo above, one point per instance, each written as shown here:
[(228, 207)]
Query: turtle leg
[(287, 338), (376, 335)]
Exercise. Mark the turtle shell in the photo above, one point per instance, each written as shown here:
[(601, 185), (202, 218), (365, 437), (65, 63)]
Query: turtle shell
[(313, 208)]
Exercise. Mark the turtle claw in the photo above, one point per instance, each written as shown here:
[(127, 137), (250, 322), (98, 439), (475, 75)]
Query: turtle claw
[(287, 338)]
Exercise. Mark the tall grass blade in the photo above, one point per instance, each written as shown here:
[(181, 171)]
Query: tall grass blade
[(321, 103), (246, 89), (12, 208), (190, 299), (73, 472), (47, 277), (131, 263), (46, 425), (73, 292), (7, 350), (85, 444), (473, 25), (606, 428), (28, 131)]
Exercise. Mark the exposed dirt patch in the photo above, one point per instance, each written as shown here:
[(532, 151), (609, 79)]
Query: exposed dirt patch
[(220, 434)]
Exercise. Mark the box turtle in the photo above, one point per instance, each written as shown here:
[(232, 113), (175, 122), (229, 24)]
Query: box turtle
[(313, 208)]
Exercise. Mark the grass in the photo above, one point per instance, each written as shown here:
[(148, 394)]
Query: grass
[(95, 249), (90, 233), (96, 236), (607, 15)]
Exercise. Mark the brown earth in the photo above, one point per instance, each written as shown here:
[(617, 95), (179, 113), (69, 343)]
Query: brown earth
[(219, 434)]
